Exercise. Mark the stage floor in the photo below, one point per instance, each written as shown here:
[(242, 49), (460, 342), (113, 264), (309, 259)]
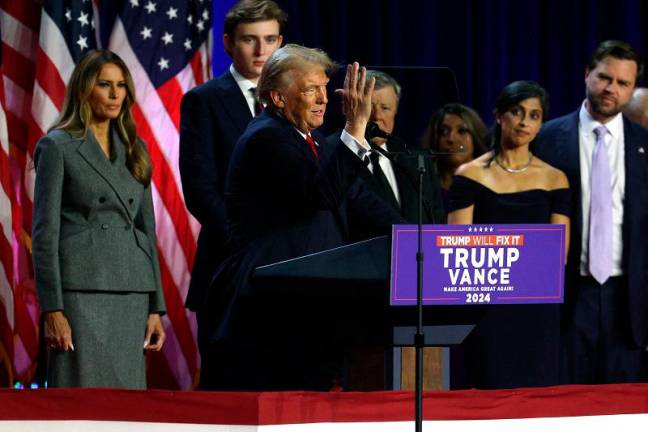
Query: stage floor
[(564, 408)]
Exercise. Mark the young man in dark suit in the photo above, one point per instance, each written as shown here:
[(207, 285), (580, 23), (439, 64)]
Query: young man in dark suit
[(604, 157), (213, 117)]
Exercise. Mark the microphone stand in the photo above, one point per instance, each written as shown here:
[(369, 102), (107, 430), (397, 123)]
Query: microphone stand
[(419, 337)]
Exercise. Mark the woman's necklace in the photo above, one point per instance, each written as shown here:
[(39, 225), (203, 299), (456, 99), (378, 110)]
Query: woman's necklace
[(515, 170)]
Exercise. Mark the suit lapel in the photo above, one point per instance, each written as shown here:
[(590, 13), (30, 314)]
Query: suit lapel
[(406, 178), (299, 142), (235, 103), (568, 151), (114, 172), (635, 162), (323, 149)]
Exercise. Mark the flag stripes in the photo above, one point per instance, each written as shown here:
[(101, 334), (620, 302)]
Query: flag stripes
[(40, 43)]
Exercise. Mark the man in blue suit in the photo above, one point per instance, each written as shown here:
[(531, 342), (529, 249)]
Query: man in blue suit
[(289, 193), (213, 117), (604, 157)]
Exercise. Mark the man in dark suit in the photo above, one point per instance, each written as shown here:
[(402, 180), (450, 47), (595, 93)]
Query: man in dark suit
[(396, 180), (213, 117), (604, 157), (288, 193)]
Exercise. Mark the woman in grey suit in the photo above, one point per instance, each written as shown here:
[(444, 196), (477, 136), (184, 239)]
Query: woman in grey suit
[(94, 244)]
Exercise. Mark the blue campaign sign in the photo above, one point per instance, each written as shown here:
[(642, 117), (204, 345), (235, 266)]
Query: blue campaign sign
[(479, 264)]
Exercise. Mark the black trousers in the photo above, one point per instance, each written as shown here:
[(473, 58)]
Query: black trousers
[(598, 346)]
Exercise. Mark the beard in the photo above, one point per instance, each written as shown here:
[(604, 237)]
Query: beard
[(597, 106)]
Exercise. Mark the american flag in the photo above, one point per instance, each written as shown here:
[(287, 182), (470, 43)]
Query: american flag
[(167, 47)]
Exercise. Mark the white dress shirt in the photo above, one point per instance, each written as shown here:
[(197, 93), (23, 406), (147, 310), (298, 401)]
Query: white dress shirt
[(245, 85), (614, 144), (362, 150)]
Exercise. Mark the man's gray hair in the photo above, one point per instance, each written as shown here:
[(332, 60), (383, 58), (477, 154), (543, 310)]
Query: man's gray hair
[(288, 58), (383, 79)]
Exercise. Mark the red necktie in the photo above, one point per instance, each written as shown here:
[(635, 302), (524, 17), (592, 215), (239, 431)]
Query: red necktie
[(311, 144)]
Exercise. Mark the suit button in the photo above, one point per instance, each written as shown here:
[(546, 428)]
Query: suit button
[(130, 201), (104, 226), (102, 200)]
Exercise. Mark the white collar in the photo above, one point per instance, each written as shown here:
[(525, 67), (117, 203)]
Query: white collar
[(244, 83), (588, 124), (303, 134)]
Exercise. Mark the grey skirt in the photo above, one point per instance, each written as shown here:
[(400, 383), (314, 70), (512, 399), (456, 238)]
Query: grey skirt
[(108, 332)]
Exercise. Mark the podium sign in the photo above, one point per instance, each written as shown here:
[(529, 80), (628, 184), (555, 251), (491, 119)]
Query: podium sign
[(479, 264)]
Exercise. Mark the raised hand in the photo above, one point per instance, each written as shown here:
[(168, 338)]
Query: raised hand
[(356, 100)]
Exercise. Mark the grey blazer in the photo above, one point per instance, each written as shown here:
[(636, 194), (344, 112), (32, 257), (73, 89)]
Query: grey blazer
[(93, 223)]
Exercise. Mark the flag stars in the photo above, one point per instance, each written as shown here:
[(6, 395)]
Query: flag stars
[(167, 38), (83, 19), (146, 33), (68, 15), (151, 7), (172, 13), (187, 44), (205, 15), (134, 3), (163, 63), (82, 42), (201, 25), (190, 19)]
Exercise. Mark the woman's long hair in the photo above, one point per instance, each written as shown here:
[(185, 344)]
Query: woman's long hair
[(76, 114), (476, 128), (510, 96)]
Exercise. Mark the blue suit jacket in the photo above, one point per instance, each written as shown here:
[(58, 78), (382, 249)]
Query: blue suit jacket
[(283, 203), (557, 144), (213, 117)]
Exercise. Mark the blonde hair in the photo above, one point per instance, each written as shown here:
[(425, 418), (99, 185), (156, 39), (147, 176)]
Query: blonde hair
[(76, 114), (290, 57)]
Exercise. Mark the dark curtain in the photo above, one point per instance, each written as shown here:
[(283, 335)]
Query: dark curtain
[(486, 43)]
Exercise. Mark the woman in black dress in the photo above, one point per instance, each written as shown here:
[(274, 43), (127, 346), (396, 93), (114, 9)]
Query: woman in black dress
[(513, 345)]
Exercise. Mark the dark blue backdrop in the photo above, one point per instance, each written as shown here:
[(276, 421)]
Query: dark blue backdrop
[(486, 43)]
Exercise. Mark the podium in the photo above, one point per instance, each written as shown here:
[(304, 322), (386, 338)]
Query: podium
[(353, 281)]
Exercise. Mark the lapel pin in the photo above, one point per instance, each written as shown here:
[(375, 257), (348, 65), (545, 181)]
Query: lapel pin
[(641, 150)]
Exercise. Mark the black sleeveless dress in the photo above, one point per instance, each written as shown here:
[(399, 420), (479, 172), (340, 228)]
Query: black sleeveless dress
[(512, 345)]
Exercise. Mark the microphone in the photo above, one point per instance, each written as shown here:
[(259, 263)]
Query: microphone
[(374, 131)]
